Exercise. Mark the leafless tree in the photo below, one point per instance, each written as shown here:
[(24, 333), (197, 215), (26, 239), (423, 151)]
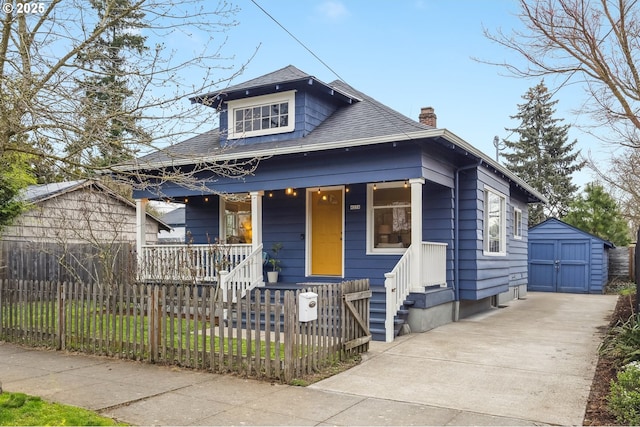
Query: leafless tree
[(595, 43), (40, 112)]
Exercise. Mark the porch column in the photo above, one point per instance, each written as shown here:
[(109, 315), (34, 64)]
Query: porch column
[(416, 234), (256, 218), (141, 227)]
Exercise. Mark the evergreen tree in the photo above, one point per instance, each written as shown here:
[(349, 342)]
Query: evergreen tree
[(598, 213), (15, 175), (542, 156), (105, 90)]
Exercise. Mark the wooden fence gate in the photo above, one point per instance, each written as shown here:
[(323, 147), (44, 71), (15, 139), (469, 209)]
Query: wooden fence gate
[(356, 296)]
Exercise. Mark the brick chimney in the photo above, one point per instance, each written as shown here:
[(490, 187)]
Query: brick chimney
[(427, 117)]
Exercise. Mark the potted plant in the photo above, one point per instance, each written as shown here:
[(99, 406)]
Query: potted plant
[(272, 276)]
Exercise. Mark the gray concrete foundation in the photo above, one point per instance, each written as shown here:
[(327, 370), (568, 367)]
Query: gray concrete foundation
[(469, 308), (514, 293), (425, 319)]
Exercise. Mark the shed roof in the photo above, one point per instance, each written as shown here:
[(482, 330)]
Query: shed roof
[(548, 221), (41, 192)]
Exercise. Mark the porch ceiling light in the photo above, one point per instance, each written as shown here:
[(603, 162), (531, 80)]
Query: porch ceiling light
[(289, 191)]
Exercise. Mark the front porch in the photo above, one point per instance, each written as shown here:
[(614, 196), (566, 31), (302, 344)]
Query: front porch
[(240, 268)]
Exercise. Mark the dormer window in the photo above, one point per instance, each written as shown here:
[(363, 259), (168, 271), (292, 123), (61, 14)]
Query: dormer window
[(261, 115)]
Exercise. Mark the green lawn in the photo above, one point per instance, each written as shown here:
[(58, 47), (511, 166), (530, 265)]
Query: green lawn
[(87, 326), (17, 409)]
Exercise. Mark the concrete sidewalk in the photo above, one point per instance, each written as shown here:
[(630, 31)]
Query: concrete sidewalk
[(528, 364)]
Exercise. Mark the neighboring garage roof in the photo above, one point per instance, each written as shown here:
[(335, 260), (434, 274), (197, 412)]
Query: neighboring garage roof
[(40, 193)]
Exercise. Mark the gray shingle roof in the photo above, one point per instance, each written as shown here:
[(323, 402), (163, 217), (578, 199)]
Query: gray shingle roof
[(288, 74), (362, 122), (365, 119), (204, 145)]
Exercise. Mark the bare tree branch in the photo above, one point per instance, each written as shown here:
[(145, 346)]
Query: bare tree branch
[(40, 96), (594, 43)]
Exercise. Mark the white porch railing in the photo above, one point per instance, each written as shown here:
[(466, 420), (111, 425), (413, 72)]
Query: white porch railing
[(433, 265), (189, 263), (243, 277)]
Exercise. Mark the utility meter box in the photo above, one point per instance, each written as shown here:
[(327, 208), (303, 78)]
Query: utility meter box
[(307, 306)]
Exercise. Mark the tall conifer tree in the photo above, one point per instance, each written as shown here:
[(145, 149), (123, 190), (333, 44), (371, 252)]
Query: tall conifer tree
[(542, 156), (105, 90)]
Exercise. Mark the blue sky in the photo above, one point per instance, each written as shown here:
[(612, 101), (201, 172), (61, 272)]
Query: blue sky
[(407, 55)]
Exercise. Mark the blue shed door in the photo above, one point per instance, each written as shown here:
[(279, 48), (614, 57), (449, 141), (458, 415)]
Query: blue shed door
[(559, 266)]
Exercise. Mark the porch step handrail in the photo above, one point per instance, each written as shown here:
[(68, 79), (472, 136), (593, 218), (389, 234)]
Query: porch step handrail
[(397, 283), (194, 263), (244, 277)]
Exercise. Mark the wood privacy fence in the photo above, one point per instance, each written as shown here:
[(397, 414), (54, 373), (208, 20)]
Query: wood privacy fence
[(621, 262), (191, 326), (67, 262)]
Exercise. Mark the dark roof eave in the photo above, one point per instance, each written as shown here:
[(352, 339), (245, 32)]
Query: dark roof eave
[(443, 134), (271, 88)]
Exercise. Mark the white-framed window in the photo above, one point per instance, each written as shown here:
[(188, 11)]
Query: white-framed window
[(388, 218), (517, 223), (261, 115), (495, 233), (235, 219)]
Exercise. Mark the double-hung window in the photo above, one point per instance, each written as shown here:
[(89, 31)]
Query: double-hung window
[(517, 223), (495, 241), (261, 115)]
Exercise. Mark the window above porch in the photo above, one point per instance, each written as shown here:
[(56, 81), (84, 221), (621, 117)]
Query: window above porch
[(388, 218)]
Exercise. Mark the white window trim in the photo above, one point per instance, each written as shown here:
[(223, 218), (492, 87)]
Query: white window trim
[(371, 249), (232, 106), (517, 220), (503, 223)]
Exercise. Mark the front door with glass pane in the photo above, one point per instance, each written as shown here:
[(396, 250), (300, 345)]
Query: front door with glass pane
[(326, 232)]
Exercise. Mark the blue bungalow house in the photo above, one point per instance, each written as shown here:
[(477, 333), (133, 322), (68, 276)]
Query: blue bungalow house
[(351, 189)]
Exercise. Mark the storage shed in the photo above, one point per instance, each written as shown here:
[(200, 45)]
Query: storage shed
[(563, 258)]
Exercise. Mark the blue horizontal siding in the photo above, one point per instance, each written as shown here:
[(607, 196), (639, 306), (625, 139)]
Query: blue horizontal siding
[(202, 223)]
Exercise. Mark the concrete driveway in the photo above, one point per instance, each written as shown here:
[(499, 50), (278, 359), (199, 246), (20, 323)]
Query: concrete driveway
[(531, 362)]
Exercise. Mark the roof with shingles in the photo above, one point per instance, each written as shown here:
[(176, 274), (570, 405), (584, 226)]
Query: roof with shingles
[(41, 192), (365, 119), (288, 74)]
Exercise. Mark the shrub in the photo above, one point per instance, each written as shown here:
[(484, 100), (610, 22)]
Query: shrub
[(624, 395)]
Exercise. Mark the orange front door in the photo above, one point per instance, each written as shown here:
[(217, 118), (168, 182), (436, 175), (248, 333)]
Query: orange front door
[(326, 232)]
